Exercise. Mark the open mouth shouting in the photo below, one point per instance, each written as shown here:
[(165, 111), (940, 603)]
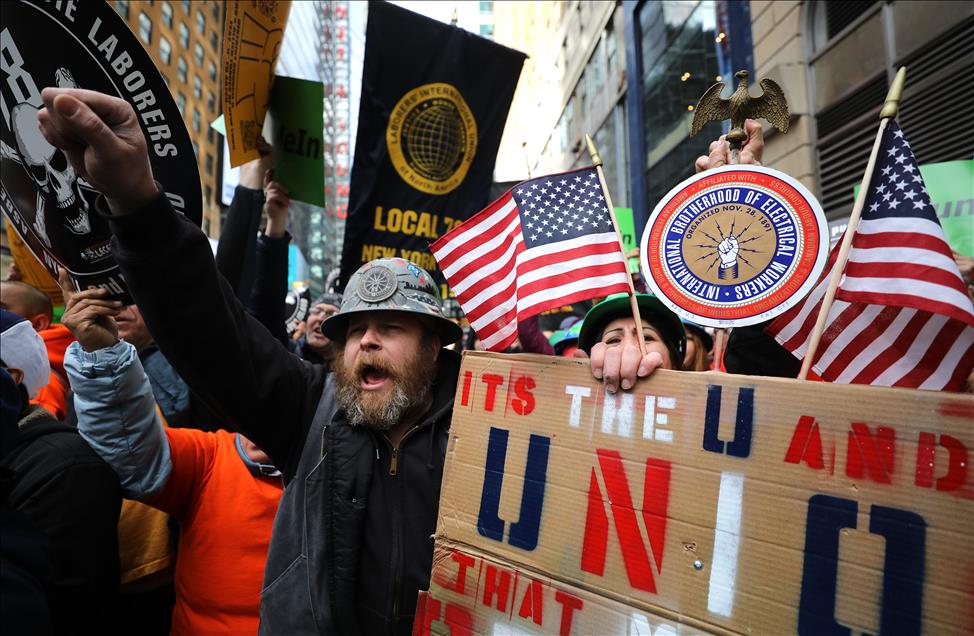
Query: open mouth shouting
[(373, 377)]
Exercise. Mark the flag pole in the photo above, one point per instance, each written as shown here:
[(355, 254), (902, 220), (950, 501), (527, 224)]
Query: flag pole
[(888, 112), (597, 162)]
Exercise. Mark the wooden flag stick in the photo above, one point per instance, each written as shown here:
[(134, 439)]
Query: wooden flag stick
[(888, 112), (597, 161), (720, 343)]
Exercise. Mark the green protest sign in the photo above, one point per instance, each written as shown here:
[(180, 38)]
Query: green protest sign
[(295, 133), (951, 188), (627, 228)]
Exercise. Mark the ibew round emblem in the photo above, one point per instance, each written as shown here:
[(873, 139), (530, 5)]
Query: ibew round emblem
[(734, 246)]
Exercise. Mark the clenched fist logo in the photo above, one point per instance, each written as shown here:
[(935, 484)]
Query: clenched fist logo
[(728, 249)]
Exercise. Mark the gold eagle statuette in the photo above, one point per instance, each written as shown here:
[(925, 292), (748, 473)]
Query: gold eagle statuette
[(771, 105)]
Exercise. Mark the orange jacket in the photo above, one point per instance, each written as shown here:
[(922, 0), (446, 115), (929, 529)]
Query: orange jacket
[(54, 396), (225, 515)]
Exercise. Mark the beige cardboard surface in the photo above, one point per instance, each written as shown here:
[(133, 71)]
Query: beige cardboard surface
[(252, 39), (701, 502)]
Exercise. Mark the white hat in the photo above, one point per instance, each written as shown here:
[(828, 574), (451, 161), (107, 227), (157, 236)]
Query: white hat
[(23, 348)]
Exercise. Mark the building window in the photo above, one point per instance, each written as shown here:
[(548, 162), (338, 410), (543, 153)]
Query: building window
[(196, 149), (181, 102), (196, 124), (181, 70), (856, 47), (211, 102), (211, 135), (198, 52), (165, 49), (167, 14), (214, 41), (183, 35), (596, 69), (212, 71), (187, 5), (200, 22), (215, 8), (486, 7), (122, 6), (611, 55), (209, 164), (487, 30), (145, 28), (678, 43), (209, 194), (197, 87)]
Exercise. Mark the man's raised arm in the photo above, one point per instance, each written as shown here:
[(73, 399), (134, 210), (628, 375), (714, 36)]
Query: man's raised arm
[(224, 355)]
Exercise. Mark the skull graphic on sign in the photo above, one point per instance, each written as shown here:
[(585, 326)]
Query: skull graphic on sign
[(56, 181)]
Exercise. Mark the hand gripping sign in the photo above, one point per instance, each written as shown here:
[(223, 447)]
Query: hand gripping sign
[(79, 45), (734, 246)]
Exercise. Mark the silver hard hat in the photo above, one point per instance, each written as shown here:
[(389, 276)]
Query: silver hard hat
[(392, 284)]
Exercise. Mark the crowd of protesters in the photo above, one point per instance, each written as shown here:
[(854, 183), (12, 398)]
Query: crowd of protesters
[(182, 465)]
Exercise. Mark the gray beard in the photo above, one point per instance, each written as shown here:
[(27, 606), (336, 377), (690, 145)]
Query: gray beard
[(385, 417)]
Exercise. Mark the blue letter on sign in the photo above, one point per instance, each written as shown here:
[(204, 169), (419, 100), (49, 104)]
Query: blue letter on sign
[(524, 532), (903, 568), (740, 446)]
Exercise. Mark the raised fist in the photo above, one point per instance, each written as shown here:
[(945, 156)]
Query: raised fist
[(728, 250)]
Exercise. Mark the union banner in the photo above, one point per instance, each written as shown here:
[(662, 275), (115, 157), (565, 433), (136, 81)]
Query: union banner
[(434, 102)]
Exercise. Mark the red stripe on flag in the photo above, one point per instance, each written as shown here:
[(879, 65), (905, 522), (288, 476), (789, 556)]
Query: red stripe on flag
[(934, 354), (833, 330), (892, 353), (477, 239), (472, 269), (808, 324), (917, 240), (958, 379), (905, 270), (529, 262), (860, 343), (470, 224), (906, 300), (557, 280), (582, 294)]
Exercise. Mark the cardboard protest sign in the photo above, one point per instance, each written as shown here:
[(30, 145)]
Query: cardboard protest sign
[(734, 246), (699, 503), (295, 115), (252, 38), (950, 185), (79, 45)]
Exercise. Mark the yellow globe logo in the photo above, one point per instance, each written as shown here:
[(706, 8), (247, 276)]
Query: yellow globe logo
[(432, 138)]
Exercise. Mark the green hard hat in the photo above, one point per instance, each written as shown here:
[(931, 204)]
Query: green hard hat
[(651, 309), (392, 284)]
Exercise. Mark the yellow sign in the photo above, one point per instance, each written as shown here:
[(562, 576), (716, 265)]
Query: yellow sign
[(252, 40), (432, 138), (31, 270)]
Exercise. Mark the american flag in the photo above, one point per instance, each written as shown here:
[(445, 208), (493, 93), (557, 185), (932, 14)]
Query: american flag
[(547, 242), (901, 316)]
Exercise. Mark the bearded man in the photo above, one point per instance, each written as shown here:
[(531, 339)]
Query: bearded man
[(361, 448)]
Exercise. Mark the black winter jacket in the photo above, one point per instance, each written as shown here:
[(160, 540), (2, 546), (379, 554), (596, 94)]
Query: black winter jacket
[(352, 541), (61, 487)]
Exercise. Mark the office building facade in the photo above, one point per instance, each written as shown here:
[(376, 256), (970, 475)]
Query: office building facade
[(184, 39)]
